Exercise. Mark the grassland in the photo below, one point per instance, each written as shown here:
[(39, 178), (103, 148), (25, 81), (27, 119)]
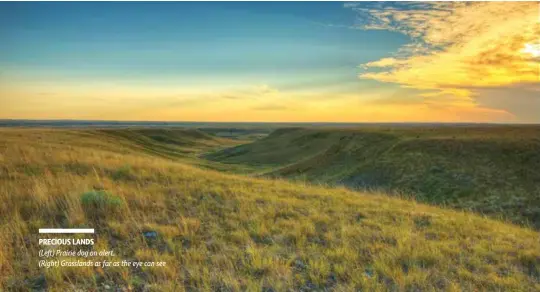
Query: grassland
[(224, 232), (489, 169)]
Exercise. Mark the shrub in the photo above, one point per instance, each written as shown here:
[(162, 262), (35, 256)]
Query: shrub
[(123, 173), (100, 203)]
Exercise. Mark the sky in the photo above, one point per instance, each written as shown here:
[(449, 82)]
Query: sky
[(271, 61)]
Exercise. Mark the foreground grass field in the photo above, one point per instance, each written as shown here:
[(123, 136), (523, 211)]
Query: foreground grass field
[(221, 232), (488, 169)]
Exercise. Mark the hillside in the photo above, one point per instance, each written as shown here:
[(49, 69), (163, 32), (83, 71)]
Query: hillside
[(173, 142), (221, 232), (488, 169)]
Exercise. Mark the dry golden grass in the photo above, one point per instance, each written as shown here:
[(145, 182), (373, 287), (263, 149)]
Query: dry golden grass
[(231, 233)]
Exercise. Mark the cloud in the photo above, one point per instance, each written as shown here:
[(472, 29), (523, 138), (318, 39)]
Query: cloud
[(456, 46), (270, 107), (383, 63), (528, 103), (244, 94)]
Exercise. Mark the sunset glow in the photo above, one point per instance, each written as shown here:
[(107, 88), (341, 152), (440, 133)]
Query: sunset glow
[(278, 62), (532, 49)]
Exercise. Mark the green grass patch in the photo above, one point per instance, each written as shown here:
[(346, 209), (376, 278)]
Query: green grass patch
[(99, 204)]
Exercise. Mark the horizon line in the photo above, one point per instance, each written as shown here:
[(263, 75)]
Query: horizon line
[(254, 122)]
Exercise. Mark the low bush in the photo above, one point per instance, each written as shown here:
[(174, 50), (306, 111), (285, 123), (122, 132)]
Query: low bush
[(100, 203)]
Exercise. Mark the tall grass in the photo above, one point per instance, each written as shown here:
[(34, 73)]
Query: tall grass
[(230, 233)]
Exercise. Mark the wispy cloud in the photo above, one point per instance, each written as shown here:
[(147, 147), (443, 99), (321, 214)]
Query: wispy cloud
[(456, 46), (270, 107), (245, 94)]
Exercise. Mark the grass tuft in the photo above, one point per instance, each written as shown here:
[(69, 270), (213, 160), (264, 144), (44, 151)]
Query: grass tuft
[(101, 203)]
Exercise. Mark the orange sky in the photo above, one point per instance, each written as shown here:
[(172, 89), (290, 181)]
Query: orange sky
[(461, 62)]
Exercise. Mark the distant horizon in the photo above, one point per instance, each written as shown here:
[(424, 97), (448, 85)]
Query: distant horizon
[(291, 62), (3, 120)]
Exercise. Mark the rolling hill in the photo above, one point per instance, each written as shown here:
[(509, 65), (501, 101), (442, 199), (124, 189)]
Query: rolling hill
[(175, 142), (223, 232), (488, 169)]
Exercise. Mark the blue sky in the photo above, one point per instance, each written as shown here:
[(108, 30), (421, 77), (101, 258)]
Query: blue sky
[(151, 41), (84, 56)]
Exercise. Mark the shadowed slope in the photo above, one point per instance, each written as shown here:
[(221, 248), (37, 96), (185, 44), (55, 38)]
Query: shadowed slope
[(494, 169), (170, 142)]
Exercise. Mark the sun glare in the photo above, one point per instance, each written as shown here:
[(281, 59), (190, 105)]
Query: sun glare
[(532, 49)]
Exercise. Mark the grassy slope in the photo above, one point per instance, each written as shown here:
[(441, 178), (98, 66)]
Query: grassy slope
[(493, 170), (231, 233), (179, 144), (168, 142)]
